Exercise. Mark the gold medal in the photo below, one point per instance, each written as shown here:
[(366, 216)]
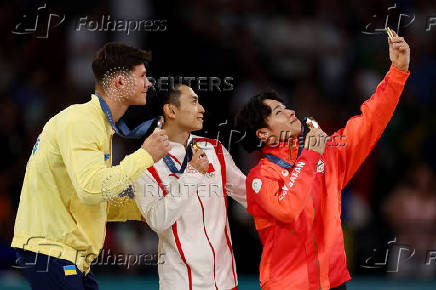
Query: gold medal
[(195, 145)]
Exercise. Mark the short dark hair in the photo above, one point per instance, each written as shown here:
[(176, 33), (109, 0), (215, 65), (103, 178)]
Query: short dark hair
[(168, 95), (253, 117), (172, 95), (117, 56)]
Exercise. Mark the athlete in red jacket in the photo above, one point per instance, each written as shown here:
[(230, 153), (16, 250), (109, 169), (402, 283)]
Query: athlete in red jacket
[(294, 193)]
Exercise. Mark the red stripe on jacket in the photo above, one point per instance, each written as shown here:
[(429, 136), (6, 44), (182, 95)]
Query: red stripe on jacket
[(219, 152), (154, 173)]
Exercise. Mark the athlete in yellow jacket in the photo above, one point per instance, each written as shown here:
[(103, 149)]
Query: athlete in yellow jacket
[(63, 210)]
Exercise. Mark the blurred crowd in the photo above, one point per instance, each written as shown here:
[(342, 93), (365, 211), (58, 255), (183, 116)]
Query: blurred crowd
[(324, 57)]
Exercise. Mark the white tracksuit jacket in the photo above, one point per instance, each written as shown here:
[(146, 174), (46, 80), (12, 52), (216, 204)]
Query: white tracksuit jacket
[(189, 213)]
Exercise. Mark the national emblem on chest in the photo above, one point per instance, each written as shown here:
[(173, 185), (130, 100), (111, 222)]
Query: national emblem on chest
[(320, 166)]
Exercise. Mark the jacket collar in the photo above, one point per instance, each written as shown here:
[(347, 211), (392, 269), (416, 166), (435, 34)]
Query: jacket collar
[(178, 150), (175, 144), (284, 150), (96, 104)]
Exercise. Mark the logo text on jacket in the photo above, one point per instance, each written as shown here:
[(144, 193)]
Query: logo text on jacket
[(296, 172)]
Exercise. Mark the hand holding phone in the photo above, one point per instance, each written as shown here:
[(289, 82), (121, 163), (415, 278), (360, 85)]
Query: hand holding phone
[(314, 138)]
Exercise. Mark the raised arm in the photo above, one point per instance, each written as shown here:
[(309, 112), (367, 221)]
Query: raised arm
[(81, 142), (81, 145), (353, 143)]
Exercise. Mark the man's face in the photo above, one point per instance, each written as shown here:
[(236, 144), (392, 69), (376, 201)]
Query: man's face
[(141, 85), (282, 122), (189, 115)]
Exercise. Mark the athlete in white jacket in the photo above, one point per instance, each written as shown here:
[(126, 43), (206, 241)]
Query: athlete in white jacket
[(188, 207)]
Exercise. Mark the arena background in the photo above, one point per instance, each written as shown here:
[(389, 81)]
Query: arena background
[(324, 57)]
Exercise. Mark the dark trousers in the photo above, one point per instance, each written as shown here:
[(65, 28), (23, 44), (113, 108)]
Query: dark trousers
[(340, 287), (46, 273)]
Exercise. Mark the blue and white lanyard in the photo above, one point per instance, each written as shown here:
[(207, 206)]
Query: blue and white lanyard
[(172, 166), (121, 128), (282, 163)]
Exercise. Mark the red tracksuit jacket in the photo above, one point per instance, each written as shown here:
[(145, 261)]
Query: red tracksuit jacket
[(297, 211)]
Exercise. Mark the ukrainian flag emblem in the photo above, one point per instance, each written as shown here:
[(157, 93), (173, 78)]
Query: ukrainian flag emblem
[(70, 270)]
